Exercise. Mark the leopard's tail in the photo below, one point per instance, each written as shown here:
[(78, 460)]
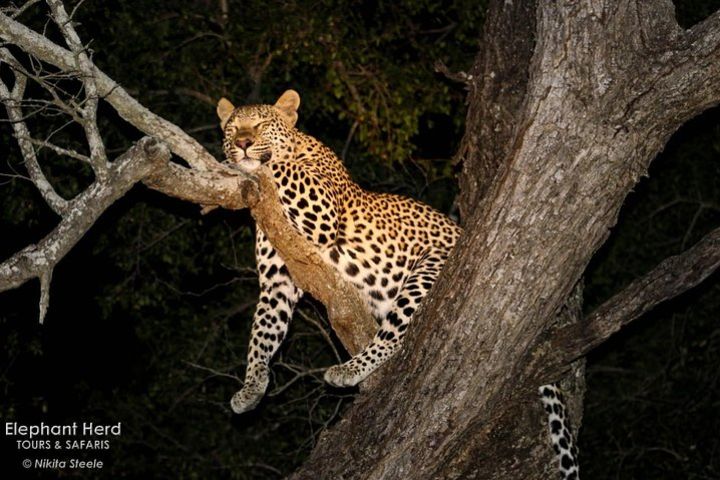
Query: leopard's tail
[(561, 436)]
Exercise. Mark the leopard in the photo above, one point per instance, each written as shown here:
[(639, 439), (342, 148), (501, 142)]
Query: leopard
[(392, 248)]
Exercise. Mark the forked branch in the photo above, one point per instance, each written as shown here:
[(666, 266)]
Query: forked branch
[(693, 85), (38, 260)]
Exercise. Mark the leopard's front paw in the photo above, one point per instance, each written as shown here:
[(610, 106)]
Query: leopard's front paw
[(250, 395), (245, 400), (345, 375)]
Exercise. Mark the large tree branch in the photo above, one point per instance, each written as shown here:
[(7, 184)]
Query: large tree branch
[(681, 78), (667, 280), (217, 187), (347, 312), (693, 84), (127, 107), (349, 315), (112, 180), (705, 39)]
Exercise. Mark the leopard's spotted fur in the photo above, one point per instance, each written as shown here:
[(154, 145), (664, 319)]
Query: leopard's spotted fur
[(390, 247)]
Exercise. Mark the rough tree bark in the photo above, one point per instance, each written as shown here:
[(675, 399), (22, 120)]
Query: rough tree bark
[(555, 140)]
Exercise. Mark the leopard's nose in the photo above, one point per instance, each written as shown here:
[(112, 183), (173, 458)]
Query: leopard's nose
[(243, 143)]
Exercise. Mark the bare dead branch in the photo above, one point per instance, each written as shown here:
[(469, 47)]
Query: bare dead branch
[(323, 333), (208, 183), (214, 372), (37, 261), (219, 187), (181, 91), (67, 106), (12, 100), (224, 12), (299, 372), (127, 107)]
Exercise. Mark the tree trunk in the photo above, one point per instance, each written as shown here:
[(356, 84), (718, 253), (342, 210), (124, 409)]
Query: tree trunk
[(559, 131)]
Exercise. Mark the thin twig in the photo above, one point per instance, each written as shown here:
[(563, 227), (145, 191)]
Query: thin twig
[(217, 373), (59, 150), (19, 10)]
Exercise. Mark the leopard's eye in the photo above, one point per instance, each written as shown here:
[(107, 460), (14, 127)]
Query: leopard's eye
[(260, 126)]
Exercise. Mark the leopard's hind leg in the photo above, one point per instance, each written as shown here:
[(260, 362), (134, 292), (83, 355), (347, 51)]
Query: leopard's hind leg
[(393, 327)]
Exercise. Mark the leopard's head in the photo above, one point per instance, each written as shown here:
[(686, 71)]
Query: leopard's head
[(257, 134)]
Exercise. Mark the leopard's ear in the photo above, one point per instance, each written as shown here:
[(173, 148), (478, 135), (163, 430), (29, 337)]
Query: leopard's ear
[(287, 105), (224, 110)]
